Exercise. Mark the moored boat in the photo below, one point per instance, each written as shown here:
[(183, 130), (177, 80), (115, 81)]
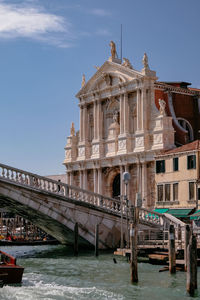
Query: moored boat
[(10, 272)]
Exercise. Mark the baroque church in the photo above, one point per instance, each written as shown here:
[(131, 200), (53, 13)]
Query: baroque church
[(126, 118)]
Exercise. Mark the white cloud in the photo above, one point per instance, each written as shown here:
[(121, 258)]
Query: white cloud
[(33, 22)]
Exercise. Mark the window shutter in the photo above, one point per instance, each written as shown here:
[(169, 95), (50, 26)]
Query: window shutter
[(163, 166), (188, 162), (157, 163), (194, 161)]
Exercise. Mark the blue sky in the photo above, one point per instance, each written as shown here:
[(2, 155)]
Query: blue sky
[(46, 46)]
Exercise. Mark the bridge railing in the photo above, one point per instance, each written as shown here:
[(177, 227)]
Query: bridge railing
[(56, 187)]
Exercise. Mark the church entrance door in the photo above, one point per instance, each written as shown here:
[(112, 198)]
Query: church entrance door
[(116, 186)]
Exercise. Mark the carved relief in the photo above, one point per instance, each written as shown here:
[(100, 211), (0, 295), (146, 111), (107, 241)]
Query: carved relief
[(68, 153), (81, 151), (111, 147), (139, 141), (122, 145), (157, 138), (95, 149)]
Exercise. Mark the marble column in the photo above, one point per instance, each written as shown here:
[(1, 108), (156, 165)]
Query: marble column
[(81, 125), (68, 178), (99, 121), (122, 190), (95, 180), (95, 119), (84, 124), (85, 179), (121, 114), (99, 188), (144, 182), (126, 114), (71, 178), (138, 110), (81, 179)]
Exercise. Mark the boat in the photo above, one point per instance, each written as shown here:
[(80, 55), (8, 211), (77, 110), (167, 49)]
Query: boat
[(10, 272)]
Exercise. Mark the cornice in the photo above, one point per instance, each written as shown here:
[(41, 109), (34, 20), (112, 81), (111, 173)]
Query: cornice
[(168, 88)]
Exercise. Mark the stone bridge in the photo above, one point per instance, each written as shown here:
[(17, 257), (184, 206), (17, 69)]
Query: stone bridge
[(56, 207)]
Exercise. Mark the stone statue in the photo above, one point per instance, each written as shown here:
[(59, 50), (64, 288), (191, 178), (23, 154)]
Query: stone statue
[(145, 61), (72, 130), (116, 116), (126, 63), (113, 49), (83, 80), (162, 105)]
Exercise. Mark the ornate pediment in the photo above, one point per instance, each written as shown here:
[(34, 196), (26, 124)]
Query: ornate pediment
[(108, 75)]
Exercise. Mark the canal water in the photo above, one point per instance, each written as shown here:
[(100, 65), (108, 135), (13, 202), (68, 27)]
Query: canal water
[(52, 272)]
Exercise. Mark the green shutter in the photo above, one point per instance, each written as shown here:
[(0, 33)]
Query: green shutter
[(175, 164), (188, 163), (163, 166), (194, 162)]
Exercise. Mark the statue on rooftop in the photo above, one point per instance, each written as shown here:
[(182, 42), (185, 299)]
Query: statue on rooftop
[(83, 80), (162, 105), (72, 130), (145, 61), (113, 49), (126, 63)]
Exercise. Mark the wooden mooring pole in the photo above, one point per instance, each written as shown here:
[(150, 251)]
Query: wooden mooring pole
[(134, 212), (76, 239), (187, 239), (97, 240), (172, 253), (192, 266)]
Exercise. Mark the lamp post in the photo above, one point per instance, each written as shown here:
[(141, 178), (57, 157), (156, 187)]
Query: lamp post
[(126, 179)]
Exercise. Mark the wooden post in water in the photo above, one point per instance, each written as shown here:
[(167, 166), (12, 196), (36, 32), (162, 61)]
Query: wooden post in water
[(186, 238), (192, 266), (97, 240), (134, 212), (172, 253), (76, 239)]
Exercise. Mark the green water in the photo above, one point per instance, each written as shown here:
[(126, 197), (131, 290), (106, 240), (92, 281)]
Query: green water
[(52, 272)]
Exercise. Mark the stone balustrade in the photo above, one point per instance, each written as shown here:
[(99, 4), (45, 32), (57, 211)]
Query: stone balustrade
[(41, 183), (46, 184)]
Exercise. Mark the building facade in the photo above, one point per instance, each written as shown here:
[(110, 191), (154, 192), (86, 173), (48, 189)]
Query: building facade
[(126, 118), (177, 177)]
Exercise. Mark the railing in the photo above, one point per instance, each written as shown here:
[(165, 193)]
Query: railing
[(160, 238), (59, 188)]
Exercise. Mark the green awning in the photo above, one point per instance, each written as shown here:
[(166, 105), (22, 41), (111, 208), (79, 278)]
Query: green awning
[(179, 213), (195, 216), (161, 210)]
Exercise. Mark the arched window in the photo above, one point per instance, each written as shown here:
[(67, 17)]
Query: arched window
[(187, 126)]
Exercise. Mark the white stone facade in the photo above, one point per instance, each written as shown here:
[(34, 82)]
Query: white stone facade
[(120, 130)]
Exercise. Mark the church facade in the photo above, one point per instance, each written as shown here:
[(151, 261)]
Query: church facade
[(126, 118)]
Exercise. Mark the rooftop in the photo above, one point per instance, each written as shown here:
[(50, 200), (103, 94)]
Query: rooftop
[(188, 147)]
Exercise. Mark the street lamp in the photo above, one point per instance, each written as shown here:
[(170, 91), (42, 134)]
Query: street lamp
[(126, 179)]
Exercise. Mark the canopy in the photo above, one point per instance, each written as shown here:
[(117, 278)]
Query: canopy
[(180, 212), (161, 210), (195, 216)]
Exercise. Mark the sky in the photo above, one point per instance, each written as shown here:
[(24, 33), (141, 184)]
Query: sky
[(47, 45)]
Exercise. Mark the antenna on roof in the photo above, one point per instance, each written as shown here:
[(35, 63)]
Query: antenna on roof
[(121, 44)]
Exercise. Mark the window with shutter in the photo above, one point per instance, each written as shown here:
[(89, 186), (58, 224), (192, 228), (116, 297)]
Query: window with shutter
[(175, 164)]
